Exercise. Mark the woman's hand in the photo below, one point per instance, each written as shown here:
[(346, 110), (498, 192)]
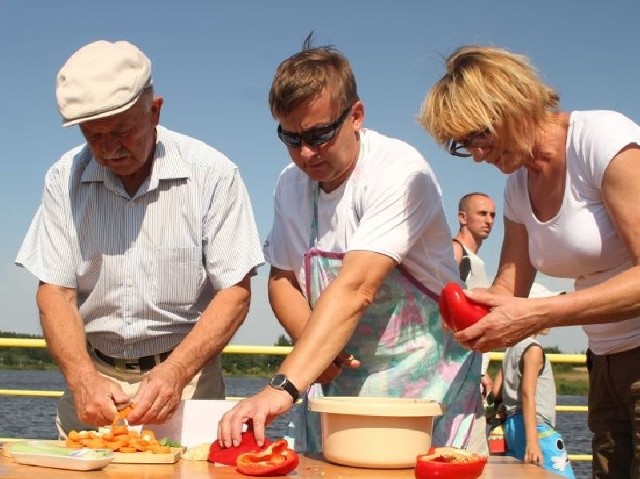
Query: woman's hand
[(509, 321)]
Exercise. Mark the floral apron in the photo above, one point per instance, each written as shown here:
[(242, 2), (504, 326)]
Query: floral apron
[(403, 349)]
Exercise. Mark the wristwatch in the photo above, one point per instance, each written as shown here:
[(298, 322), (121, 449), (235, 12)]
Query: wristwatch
[(281, 382)]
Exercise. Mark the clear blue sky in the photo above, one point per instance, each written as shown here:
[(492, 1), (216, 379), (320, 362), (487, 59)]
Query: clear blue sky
[(213, 62)]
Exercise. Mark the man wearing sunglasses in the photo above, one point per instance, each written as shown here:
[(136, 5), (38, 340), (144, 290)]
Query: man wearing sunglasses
[(359, 252)]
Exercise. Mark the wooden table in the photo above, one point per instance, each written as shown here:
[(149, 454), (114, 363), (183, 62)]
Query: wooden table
[(315, 467)]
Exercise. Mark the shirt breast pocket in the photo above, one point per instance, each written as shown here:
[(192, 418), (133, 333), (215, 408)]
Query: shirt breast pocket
[(179, 276)]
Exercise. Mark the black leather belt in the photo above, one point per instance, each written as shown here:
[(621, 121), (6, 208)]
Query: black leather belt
[(142, 364)]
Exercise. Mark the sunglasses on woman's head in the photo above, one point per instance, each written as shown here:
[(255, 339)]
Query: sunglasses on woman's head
[(314, 137)]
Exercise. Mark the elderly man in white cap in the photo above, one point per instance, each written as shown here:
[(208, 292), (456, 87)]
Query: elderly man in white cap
[(144, 245)]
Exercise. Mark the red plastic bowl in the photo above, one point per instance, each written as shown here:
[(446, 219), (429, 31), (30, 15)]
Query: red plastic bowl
[(438, 465)]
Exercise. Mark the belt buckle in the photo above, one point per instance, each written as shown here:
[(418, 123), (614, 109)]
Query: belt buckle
[(124, 365)]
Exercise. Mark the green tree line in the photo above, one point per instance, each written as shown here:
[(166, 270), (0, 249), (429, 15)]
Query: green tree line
[(24, 358), (254, 364)]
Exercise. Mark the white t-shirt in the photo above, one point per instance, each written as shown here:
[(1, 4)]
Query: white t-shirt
[(477, 277), (580, 242), (391, 204)]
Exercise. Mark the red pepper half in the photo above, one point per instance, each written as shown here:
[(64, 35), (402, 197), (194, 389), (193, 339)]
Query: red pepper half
[(275, 460), (449, 463), (229, 455), (459, 312)]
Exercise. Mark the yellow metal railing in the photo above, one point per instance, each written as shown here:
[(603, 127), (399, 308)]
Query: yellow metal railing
[(40, 343), (282, 350)]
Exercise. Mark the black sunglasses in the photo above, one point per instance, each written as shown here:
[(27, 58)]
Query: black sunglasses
[(461, 148), (316, 136)]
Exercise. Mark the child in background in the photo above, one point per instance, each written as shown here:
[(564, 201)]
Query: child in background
[(527, 389)]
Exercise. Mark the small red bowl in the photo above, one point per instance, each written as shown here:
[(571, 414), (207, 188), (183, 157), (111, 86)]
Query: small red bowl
[(449, 463)]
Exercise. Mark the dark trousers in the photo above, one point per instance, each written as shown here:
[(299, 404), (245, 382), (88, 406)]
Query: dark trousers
[(614, 414)]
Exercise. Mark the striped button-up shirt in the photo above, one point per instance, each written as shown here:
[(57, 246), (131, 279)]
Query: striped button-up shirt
[(144, 267)]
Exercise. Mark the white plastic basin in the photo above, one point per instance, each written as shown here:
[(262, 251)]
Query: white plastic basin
[(381, 433)]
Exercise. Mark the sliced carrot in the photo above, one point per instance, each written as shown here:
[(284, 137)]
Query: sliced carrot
[(128, 450), (116, 430), (124, 413), (95, 444), (119, 439), (122, 438), (114, 445), (139, 444), (158, 449)]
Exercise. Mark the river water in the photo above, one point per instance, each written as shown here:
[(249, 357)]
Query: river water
[(27, 417)]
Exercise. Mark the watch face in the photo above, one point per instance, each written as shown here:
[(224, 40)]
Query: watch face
[(281, 382), (278, 381)]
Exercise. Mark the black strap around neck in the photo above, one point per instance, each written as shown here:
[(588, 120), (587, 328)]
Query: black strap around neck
[(465, 262)]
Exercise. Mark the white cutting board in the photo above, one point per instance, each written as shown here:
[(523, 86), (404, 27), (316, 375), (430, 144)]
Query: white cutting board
[(194, 422)]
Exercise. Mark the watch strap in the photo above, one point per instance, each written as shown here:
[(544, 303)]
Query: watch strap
[(285, 385), (292, 390)]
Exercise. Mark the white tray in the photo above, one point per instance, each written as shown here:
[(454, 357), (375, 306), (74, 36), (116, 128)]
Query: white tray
[(48, 457)]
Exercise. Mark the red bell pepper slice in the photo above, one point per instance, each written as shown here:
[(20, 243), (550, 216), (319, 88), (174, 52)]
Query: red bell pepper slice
[(459, 312), (449, 463), (275, 460), (229, 455)]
